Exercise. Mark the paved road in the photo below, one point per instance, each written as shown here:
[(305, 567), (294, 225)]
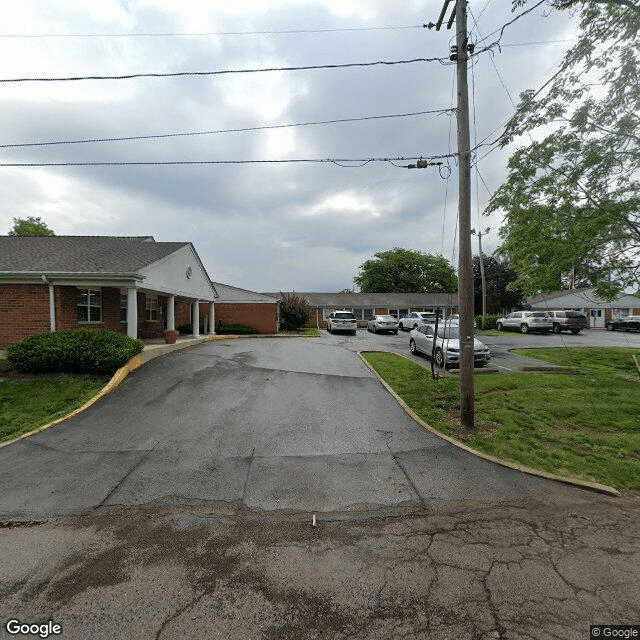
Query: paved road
[(266, 424), (181, 507)]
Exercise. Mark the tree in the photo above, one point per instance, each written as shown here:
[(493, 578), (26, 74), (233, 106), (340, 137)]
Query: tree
[(30, 226), (406, 271), (294, 311), (498, 277), (572, 198)]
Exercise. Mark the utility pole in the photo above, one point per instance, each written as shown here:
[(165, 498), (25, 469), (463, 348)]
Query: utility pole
[(484, 282), (465, 266)]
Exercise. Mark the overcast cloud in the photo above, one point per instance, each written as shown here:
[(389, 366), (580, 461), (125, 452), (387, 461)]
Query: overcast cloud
[(263, 227)]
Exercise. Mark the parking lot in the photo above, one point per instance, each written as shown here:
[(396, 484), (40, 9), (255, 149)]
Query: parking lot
[(501, 345)]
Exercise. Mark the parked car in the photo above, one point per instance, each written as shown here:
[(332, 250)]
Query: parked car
[(525, 321), (568, 320), (415, 319), (627, 323), (342, 321), (447, 345), (382, 323)]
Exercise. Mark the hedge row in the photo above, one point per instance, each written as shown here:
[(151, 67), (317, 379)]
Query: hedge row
[(73, 351), (489, 321)]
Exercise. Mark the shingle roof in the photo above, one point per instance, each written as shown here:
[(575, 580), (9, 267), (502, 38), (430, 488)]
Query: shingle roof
[(227, 293), (392, 300), (81, 254)]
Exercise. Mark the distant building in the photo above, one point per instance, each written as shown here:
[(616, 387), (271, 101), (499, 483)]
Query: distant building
[(597, 310), (365, 305)]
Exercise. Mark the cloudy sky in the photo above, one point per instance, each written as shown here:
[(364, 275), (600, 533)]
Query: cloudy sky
[(265, 227)]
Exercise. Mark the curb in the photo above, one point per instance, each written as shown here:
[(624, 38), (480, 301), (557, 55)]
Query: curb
[(135, 362), (583, 484)]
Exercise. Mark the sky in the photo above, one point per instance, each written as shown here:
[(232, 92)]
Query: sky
[(269, 226)]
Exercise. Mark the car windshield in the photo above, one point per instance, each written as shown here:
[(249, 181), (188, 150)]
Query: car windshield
[(453, 333), (345, 316)]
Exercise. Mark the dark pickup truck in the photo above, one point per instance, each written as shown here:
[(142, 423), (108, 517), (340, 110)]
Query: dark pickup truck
[(628, 323)]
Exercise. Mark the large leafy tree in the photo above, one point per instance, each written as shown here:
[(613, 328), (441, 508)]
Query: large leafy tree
[(30, 226), (406, 271), (571, 200), (498, 277)]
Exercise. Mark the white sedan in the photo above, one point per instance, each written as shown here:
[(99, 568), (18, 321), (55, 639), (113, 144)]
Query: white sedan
[(447, 345)]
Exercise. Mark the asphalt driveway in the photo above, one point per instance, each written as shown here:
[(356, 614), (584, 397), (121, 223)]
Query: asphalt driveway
[(181, 506), (269, 424)]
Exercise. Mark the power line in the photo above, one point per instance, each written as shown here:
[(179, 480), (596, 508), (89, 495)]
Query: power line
[(443, 61), (205, 33), (337, 161), (217, 131)]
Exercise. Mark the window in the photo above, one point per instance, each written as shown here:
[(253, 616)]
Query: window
[(618, 312), (152, 307), (403, 312), (90, 306), (368, 314), (326, 311), (394, 313), (123, 307)]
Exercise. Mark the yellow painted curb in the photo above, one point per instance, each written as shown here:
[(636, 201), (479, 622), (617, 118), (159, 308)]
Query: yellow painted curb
[(116, 379), (585, 484)]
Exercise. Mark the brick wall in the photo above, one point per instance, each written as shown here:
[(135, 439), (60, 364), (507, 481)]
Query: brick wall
[(262, 316), (67, 299), (24, 311)]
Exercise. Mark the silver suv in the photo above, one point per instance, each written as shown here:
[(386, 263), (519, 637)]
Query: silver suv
[(342, 321), (525, 321), (568, 320)]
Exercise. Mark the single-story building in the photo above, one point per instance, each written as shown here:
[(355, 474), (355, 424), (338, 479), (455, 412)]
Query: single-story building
[(132, 285), (241, 306), (597, 310), (365, 305)]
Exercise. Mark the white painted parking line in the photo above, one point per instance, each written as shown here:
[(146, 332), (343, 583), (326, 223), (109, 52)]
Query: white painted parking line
[(501, 367)]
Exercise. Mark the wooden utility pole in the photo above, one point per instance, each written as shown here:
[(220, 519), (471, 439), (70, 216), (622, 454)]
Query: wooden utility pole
[(465, 267)]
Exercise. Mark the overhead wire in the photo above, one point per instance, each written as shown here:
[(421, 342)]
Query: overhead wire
[(220, 131), (179, 74)]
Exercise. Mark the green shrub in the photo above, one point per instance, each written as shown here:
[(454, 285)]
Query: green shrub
[(73, 351), (235, 329), (294, 311), (489, 321), (185, 329)]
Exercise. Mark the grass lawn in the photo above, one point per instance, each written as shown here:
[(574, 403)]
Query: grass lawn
[(310, 331), (26, 404), (583, 425)]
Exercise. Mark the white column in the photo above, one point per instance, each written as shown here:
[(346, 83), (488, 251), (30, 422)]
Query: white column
[(196, 318), (171, 313), (212, 319), (132, 312), (52, 308)]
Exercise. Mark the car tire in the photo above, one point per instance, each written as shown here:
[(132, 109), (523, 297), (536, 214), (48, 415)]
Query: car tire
[(412, 346), (556, 328), (499, 326), (395, 333), (438, 358), (415, 326), (329, 328), (575, 332), (610, 326), (524, 328)]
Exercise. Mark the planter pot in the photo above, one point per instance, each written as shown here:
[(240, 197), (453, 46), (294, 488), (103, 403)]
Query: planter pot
[(170, 336)]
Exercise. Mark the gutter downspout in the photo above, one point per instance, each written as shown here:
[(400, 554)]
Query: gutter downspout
[(52, 303)]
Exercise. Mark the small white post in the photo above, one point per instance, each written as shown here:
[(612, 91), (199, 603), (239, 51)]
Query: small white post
[(132, 312), (196, 318), (212, 319), (171, 313)]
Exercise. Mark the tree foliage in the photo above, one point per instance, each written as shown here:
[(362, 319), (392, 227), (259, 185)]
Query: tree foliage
[(294, 311), (406, 271), (498, 277), (572, 198), (30, 226)]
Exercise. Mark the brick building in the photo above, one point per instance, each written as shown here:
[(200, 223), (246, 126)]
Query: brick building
[(366, 305), (132, 285)]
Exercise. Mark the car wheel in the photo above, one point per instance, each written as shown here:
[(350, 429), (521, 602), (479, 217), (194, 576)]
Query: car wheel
[(395, 333), (556, 327), (610, 326), (415, 326), (412, 346), (575, 331), (524, 328), (329, 328), (499, 326), (438, 357)]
